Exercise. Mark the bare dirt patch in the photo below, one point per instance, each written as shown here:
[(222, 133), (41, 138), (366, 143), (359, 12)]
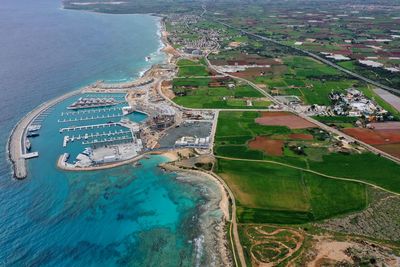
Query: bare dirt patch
[(299, 136), (270, 146), (270, 246), (392, 149), (284, 119), (376, 136), (328, 252), (390, 125), (252, 72)]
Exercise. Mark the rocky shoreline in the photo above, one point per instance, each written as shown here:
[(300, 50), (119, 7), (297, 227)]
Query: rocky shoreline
[(211, 245)]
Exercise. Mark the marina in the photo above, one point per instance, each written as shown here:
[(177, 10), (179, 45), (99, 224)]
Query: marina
[(108, 116), (69, 113), (90, 102), (95, 126), (27, 133)]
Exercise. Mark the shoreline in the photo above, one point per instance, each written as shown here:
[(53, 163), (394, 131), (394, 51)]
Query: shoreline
[(213, 232), (16, 140), (216, 237)]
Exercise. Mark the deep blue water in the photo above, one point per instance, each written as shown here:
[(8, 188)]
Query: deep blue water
[(127, 216)]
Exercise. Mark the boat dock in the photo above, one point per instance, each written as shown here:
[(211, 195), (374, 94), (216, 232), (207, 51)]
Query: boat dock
[(94, 135), (86, 127), (17, 141), (69, 113), (113, 139), (30, 155), (108, 116)]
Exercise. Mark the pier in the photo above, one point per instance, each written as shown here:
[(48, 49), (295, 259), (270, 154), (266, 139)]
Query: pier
[(17, 140), (108, 116), (113, 139), (95, 135), (72, 113), (86, 127)]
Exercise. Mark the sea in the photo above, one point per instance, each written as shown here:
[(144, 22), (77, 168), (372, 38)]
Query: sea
[(127, 216)]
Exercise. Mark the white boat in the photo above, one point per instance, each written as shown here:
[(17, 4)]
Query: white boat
[(147, 58), (28, 144)]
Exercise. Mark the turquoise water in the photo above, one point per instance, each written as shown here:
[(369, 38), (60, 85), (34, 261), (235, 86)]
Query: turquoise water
[(127, 216), (49, 144)]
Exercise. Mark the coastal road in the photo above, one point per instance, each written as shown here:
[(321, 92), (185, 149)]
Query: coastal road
[(315, 56)]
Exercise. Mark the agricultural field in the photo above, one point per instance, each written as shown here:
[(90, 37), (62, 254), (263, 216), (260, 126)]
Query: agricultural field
[(191, 68), (349, 33), (283, 156), (340, 122), (285, 133), (268, 193), (307, 79), (216, 93)]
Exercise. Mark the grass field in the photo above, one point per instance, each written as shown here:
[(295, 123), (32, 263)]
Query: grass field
[(189, 68), (270, 193), (308, 79), (338, 121), (274, 194), (235, 129), (196, 93), (364, 167)]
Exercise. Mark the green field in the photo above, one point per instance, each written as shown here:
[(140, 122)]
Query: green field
[(189, 68), (338, 121), (235, 129), (196, 93), (308, 79), (274, 194)]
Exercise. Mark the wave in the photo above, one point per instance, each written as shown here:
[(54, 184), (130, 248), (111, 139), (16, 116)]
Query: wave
[(198, 248)]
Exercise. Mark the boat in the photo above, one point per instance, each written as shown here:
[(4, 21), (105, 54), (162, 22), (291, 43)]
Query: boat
[(33, 128), (28, 145), (147, 58), (32, 134)]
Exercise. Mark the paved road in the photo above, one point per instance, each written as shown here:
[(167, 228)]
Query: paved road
[(321, 59), (320, 124)]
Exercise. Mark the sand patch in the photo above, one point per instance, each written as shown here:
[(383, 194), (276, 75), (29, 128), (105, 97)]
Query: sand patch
[(330, 251)]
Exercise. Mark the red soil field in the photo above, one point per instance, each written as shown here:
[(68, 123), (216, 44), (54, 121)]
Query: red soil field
[(392, 149), (390, 125), (251, 72), (269, 146), (374, 137), (284, 119), (300, 136)]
